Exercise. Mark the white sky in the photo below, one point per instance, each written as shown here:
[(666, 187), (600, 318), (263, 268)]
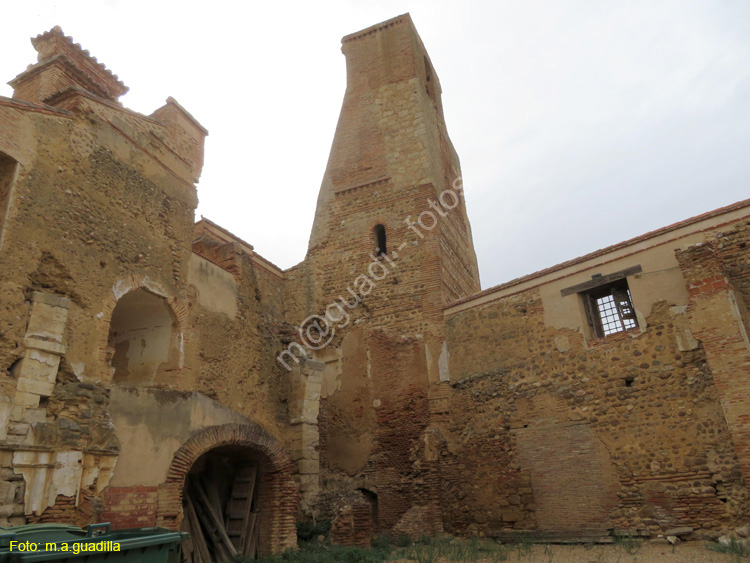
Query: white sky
[(579, 123)]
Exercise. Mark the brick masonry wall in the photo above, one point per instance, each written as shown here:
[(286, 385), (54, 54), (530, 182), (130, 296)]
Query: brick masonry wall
[(717, 274), (659, 452), (556, 455), (236, 358), (130, 507), (372, 429), (96, 211), (391, 157)]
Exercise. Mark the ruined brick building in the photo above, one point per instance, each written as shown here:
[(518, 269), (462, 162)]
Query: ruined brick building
[(139, 349)]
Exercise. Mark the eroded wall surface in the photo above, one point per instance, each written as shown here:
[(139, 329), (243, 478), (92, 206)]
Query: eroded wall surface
[(120, 341), (132, 341), (551, 429)]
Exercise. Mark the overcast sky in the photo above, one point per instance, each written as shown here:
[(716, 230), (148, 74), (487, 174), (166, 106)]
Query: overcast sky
[(579, 123)]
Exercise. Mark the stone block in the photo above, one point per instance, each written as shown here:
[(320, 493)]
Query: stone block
[(6, 411), (34, 415), (39, 365), (29, 385), (45, 346), (680, 531), (10, 510), (18, 428), (512, 514), (46, 328), (50, 299), (24, 399), (310, 409), (308, 483), (7, 492), (7, 474)]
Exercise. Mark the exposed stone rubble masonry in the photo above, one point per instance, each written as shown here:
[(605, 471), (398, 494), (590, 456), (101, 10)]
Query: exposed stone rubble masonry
[(134, 341)]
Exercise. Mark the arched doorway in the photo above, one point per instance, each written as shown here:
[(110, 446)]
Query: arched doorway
[(143, 342), (240, 478), (221, 504)]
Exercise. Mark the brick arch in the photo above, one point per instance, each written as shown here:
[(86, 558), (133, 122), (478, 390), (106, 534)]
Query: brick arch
[(121, 288), (278, 495)]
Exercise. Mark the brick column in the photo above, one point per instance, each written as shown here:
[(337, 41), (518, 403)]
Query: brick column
[(716, 322)]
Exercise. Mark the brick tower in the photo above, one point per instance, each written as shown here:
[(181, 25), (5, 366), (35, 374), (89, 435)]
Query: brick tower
[(392, 165), (391, 239)]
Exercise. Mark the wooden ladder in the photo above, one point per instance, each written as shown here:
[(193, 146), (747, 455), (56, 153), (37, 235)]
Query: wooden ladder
[(242, 523)]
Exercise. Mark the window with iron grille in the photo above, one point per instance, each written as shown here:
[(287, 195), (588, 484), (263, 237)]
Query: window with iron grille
[(609, 309)]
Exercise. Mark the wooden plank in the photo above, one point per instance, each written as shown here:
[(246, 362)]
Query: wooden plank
[(254, 545), (214, 525), (250, 546), (239, 506), (186, 549), (212, 492), (199, 542), (246, 530)]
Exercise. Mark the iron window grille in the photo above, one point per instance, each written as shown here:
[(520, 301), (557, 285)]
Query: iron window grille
[(609, 309)]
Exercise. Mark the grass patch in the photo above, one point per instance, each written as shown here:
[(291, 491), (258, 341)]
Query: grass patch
[(387, 548), (432, 550), (627, 542), (736, 549), (322, 553), (308, 531)]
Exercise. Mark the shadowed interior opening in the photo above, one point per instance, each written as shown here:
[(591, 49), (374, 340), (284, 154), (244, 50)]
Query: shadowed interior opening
[(142, 339), (380, 242)]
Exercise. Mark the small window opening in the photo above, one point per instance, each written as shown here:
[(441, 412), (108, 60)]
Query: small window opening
[(380, 242), (629, 381), (609, 309)]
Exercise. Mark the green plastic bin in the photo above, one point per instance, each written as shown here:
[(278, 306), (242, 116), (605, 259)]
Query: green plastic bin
[(63, 543)]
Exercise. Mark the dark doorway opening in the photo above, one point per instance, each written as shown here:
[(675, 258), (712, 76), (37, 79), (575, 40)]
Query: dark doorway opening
[(221, 507), (372, 499)]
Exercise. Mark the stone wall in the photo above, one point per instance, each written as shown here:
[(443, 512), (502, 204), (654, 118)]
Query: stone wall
[(97, 206), (643, 411), (426, 406)]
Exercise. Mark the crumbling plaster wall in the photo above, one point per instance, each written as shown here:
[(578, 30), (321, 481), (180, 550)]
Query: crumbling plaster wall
[(97, 210), (151, 424), (237, 354), (82, 221), (374, 420)]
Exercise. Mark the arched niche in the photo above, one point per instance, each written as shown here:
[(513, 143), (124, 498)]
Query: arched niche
[(143, 342)]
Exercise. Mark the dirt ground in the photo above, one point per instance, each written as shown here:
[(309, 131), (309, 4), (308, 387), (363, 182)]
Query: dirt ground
[(691, 552), (684, 553)]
